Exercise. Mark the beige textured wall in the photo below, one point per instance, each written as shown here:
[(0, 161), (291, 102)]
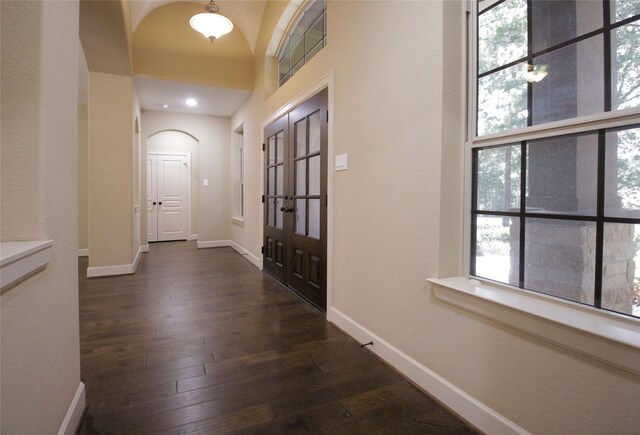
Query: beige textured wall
[(214, 144), (110, 169), (83, 176), (39, 145), (397, 216)]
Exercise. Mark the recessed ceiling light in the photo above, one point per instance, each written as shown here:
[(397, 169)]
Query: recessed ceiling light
[(165, 106), (191, 102)]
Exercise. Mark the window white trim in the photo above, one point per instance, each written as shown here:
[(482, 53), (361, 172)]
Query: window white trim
[(605, 336)]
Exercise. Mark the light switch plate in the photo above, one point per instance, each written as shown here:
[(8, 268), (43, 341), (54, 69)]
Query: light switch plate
[(341, 162), (205, 182)]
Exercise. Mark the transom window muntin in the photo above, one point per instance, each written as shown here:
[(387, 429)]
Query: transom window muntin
[(509, 214), (520, 41), (307, 37)]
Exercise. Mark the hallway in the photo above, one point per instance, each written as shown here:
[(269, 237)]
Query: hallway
[(201, 341)]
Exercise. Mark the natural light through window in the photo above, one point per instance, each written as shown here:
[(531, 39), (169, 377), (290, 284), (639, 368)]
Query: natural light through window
[(558, 213)]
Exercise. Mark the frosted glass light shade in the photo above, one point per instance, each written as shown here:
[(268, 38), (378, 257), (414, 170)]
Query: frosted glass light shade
[(211, 25)]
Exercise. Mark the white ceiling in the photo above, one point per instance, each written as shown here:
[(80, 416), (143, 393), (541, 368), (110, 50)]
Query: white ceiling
[(154, 93)]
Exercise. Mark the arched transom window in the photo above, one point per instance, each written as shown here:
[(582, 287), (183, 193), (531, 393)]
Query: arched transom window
[(305, 39)]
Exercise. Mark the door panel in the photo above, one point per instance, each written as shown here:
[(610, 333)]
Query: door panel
[(296, 199), (276, 168), (167, 184), (172, 197), (152, 198)]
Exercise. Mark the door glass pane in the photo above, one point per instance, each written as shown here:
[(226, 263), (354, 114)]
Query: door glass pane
[(301, 177), (279, 213), (562, 175), (499, 179), (314, 175), (621, 268), (622, 173), (300, 216), (279, 180), (497, 248), (574, 84), (270, 211), (314, 218), (301, 138), (280, 147), (625, 68), (502, 100), (556, 21), (272, 181), (560, 258), (272, 150), (502, 33), (314, 132)]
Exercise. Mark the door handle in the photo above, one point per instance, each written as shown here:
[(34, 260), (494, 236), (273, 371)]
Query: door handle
[(154, 203), (290, 210), (160, 203), (283, 209)]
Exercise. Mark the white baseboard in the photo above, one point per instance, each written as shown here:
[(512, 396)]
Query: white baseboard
[(137, 259), (83, 252), (72, 420), (145, 248), (257, 262), (466, 406), (213, 244), (193, 237), (119, 269)]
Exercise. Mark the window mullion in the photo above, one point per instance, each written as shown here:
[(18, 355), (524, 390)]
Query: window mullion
[(529, 62), (523, 210), (606, 17), (597, 297)]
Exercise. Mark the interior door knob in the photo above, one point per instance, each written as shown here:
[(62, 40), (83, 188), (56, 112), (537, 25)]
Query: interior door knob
[(154, 203), (283, 209), (160, 202)]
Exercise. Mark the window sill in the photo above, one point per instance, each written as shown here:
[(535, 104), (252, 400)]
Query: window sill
[(608, 337), (20, 259), (239, 221)]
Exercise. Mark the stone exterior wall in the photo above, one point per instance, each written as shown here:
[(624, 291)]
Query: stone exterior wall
[(560, 261)]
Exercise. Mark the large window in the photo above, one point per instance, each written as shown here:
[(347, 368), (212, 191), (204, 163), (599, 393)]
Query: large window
[(557, 209), (306, 38)]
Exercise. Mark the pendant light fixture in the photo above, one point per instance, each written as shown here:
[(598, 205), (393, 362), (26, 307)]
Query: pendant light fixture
[(211, 24)]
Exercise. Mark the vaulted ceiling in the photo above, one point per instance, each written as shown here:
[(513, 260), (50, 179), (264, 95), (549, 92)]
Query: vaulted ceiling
[(152, 38), (152, 41)]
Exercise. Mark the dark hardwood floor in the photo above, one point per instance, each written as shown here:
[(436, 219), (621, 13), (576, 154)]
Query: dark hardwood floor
[(200, 341)]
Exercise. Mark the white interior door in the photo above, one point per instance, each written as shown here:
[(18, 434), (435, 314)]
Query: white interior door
[(152, 199), (172, 197), (168, 181)]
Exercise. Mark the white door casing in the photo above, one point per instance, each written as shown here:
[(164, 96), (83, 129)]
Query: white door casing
[(170, 187)]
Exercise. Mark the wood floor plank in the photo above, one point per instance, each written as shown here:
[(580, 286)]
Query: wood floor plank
[(200, 341)]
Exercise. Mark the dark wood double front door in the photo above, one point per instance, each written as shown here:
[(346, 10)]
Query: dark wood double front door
[(295, 200)]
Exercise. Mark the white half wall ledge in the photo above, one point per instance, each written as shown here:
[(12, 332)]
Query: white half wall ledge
[(72, 420), (18, 260), (83, 252), (464, 405), (144, 248), (119, 269), (607, 337), (256, 261)]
